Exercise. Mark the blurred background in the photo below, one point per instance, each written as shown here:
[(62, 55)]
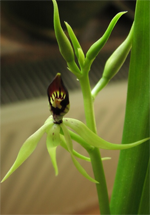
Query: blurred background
[(29, 60)]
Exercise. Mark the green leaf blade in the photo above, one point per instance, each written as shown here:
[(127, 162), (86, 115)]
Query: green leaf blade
[(144, 207), (132, 167)]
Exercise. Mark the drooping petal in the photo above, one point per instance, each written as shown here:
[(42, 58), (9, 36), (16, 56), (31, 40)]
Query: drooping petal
[(82, 170), (27, 148), (52, 141), (91, 138), (58, 99)]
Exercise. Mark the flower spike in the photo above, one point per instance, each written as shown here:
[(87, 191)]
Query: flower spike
[(58, 99)]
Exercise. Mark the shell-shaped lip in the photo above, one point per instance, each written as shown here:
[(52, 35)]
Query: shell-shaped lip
[(58, 98)]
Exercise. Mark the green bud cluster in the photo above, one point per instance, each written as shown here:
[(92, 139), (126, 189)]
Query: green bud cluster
[(69, 50)]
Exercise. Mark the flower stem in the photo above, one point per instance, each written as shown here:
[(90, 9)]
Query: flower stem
[(100, 177), (88, 104), (94, 153)]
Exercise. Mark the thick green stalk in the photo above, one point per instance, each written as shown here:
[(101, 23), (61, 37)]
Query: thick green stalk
[(129, 188), (94, 153)]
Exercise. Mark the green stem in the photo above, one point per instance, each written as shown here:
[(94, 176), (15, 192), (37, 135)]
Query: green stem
[(88, 104), (94, 153), (100, 177)]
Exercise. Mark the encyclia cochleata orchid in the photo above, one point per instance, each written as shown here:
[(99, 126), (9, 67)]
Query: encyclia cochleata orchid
[(58, 133), (60, 130)]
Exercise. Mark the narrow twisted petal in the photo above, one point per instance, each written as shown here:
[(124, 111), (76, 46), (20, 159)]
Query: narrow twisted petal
[(70, 149), (75, 153), (27, 148), (82, 170)]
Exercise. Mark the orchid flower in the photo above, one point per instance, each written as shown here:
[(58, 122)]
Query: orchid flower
[(58, 133)]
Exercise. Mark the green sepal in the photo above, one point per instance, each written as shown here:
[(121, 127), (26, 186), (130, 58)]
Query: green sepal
[(52, 153), (63, 42), (97, 46), (27, 148), (52, 141), (93, 139)]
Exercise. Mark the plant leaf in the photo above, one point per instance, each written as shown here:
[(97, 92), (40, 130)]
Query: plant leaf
[(144, 206), (132, 166)]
